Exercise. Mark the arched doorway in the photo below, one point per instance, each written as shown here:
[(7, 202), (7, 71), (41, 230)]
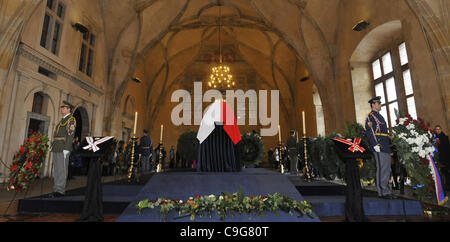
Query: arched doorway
[(82, 117), (361, 67)]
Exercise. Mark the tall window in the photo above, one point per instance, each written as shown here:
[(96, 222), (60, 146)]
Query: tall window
[(407, 81), (384, 80), (87, 54), (385, 84), (38, 103), (53, 25)]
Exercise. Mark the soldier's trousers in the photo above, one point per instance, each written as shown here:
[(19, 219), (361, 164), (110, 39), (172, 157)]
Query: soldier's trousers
[(60, 169), (293, 169), (145, 163), (383, 161)]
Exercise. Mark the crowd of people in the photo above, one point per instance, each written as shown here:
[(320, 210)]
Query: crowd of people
[(147, 158)]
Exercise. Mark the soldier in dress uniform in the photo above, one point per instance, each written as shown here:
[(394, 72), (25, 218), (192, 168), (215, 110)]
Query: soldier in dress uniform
[(292, 152), (378, 137), (61, 148), (146, 150)]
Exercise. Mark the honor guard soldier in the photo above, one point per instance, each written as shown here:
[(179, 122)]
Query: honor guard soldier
[(61, 148), (146, 150), (292, 152), (378, 138)]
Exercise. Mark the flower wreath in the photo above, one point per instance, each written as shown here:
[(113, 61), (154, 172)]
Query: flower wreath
[(27, 162)]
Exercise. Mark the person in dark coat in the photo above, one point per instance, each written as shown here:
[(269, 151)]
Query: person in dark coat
[(172, 157), (145, 146), (178, 159), (272, 162), (292, 153), (443, 155)]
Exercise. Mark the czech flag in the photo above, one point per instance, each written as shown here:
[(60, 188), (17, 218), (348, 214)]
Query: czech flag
[(220, 112), (441, 198)]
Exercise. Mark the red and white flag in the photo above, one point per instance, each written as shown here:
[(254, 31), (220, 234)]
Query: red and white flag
[(219, 112)]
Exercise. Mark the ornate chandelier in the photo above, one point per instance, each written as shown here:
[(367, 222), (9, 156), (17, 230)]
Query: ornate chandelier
[(220, 77)]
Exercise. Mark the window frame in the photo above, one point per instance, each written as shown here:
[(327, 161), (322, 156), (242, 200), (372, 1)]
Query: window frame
[(383, 79), (84, 57), (398, 74), (51, 40)]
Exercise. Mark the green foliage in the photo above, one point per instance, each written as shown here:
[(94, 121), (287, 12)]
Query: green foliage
[(188, 145), (252, 149), (409, 147), (228, 204), (368, 170), (27, 162), (326, 161), (355, 130), (324, 158)]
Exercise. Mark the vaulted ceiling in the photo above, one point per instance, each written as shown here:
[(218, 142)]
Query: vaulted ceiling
[(282, 40)]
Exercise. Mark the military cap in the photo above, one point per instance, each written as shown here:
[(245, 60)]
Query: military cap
[(67, 105), (145, 131), (375, 99), (292, 131)]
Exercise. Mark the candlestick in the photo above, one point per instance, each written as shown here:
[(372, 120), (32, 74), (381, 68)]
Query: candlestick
[(161, 137), (304, 122), (279, 133), (135, 123)]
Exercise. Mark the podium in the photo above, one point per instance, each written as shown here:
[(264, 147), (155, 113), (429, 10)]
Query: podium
[(93, 203), (350, 152)]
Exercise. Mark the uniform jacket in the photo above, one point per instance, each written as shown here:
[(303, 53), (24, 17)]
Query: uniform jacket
[(64, 134), (146, 145), (292, 145), (380, 129)]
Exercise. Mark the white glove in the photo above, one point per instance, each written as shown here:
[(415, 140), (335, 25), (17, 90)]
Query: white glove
[(66, 152), (377, 148)]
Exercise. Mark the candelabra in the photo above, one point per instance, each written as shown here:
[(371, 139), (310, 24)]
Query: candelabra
[(306, 168), (159, 166), (133, 149), (280, 155)]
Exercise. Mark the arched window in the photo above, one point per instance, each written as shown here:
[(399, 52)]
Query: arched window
[(389, 71), (38, 103), (129, 107)]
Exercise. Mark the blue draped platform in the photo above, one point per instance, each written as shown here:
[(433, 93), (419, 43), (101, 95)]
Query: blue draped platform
[(328, 199), (178, 186)]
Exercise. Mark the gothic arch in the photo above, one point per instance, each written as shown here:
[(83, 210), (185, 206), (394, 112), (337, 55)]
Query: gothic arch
[(129, 106), (377, 39)]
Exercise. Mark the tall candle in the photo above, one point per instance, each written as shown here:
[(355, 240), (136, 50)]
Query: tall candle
[(304, 123), (161, 137), (279, 133), (135, 122)]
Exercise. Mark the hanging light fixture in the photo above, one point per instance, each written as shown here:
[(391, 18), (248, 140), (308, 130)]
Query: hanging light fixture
[(220, 77)]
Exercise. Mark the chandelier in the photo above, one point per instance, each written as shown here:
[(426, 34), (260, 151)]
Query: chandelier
[(220, 77)]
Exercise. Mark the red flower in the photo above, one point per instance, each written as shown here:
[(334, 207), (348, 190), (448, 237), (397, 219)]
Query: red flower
[(406, 123), (198, 196), (14, 167), (29, 165)]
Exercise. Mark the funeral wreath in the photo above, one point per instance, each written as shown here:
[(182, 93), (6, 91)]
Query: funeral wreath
[(27, 162), (227, 205)]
